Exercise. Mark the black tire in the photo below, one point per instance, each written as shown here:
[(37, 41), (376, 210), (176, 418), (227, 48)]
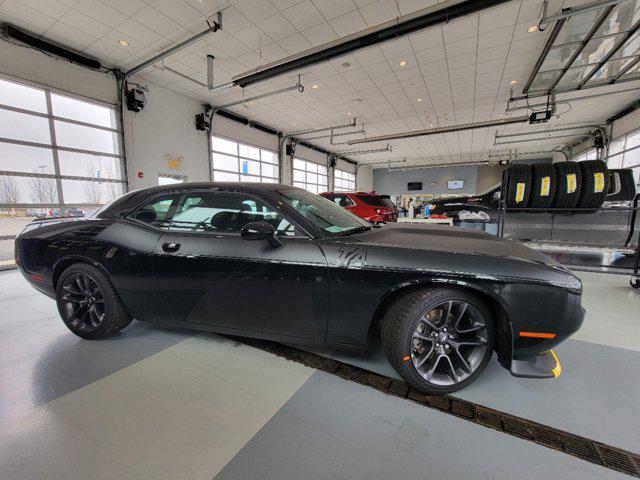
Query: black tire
[(399, 328), (89, 304), (518, 178), (595, 183), (568, 186), (544, 186)]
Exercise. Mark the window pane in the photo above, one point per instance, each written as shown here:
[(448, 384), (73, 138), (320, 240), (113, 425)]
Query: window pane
[(615, 161), (82, 111), (156, 212), (90, 192), (85, 138), (223, 145), (249, 152), (312, 167), (631, 158), (633, 140), (298, 176), (312, 178), (299, 164), (224, 162), (87, 165), (248, 167), (322, 169), (269, 156), (269, 180), (16, 189), (21, 96), (249, 178), (269, 170), (225, 177), (616, 146), (20, 158), (22, 126)]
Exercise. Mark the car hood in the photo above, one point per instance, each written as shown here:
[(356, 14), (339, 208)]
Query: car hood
[(440, 238)]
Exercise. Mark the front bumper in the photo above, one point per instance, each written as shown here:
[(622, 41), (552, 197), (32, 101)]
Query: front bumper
[(545, 365)]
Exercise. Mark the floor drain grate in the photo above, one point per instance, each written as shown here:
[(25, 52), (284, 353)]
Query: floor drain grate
[(569, 443)]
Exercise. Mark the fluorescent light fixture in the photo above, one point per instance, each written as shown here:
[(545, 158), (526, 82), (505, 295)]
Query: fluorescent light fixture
[(513, 82), (123, 43), (419, 99), (314, 86), (533, 28), (403, 63)]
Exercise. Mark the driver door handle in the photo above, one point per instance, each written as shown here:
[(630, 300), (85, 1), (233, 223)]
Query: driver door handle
[(170, 247)]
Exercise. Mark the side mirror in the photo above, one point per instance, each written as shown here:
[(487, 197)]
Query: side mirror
[(261, 231)]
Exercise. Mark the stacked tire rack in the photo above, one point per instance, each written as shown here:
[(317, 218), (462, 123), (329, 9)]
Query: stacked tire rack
[(563, 188)]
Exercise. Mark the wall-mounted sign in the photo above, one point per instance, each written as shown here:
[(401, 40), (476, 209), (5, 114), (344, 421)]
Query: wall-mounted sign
[(414, 186), (455, 184), (173, 163)]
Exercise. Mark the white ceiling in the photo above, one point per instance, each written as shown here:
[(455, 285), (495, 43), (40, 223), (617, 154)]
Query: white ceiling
[(461, 71)]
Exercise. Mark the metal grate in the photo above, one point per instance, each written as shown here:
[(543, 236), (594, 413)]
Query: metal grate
[(569, 443)]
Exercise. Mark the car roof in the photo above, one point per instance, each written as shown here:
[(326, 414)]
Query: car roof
[(132, 199)]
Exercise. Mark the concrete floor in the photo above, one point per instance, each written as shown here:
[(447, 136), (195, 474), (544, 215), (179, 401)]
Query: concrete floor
[(172, 404)]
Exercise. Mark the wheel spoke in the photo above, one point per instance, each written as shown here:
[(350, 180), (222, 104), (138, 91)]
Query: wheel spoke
[(477, 326), (427, 319), (465, 365), (461, 311), (454, 375), (422, 336), (445, 312), (432, 370), (478, 342)]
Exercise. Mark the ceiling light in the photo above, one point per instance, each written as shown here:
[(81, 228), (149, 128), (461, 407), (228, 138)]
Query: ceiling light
[(314, 86), (590, 102), (533, 28), (348, 113), (123, 43), (419, 99), (432, 124), (513, 82), (346, 64), (403, 63)]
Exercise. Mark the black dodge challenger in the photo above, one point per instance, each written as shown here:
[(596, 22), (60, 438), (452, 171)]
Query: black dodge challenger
[(277, 262)]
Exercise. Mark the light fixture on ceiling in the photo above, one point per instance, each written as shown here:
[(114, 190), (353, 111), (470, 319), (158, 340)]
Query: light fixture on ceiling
[(533, 28), (419, 99), (431, 124), (346, 64), (403, 63), (590, 102), (513, 82), (123, 43), (348, 113), (314, 86)]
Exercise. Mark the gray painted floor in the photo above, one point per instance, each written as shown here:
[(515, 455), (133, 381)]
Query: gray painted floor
[(158, 403)]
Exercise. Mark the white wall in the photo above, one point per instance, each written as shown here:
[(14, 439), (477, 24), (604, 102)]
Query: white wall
[(364, 179), (165, 130), (395, 182)]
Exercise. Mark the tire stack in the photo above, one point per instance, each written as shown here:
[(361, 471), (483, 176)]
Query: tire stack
[(518, 178), (595, 183), (569, 185), (544, 183)]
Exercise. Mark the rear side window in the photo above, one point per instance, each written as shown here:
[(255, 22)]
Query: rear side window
[(376, 201), (211, 212), (341, 200)]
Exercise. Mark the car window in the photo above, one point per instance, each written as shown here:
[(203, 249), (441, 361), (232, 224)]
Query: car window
[(223, 213), (377, 200), (158, 211), (342, 201)]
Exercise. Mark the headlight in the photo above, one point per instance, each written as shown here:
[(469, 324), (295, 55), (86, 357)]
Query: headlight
[(573, 284)]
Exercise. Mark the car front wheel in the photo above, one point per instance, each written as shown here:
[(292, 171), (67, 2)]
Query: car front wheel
[(438, 339), (89, 304)]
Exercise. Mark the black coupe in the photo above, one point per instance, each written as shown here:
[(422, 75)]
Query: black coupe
[(277, 262)]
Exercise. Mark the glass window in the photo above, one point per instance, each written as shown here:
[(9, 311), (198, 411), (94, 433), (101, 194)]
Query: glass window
[(232, 161), (323, 213), (22, 126), (21, 96), (86, 175), (85, 138), (23, 158), (89, 165), (211, 212), (310, 176), (344, 181), (170, 179), (82, 111), (624, 152)]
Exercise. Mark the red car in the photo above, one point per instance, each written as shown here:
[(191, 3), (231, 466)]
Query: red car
[(370, 206)]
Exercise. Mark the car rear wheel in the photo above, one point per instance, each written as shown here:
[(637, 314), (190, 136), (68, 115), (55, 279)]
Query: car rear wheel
[(89, 304), (438, 339)]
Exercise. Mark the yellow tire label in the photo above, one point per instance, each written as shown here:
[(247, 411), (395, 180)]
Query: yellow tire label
[(545, 186), (571, 183), (520, 192), (598, 184)]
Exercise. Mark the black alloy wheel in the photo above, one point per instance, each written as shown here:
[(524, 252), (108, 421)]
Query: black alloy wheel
[(88, 303), (82, 302), (438, 339), (449, 343)]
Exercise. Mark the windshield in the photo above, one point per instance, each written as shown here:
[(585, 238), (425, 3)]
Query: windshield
[(323, 213), (377, 200)]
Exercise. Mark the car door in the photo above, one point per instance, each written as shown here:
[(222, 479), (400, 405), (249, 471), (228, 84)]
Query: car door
[(208, 274)]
